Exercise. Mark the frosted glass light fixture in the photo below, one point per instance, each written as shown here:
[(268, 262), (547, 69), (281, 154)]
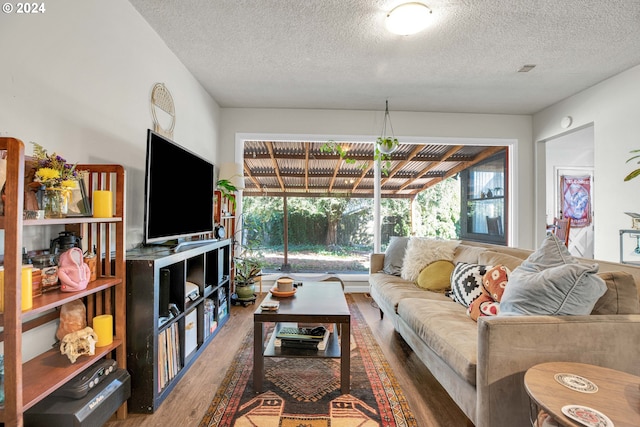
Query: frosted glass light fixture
[(408, 18)]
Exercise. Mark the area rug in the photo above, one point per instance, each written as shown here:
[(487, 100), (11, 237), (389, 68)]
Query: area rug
[(303, 392)]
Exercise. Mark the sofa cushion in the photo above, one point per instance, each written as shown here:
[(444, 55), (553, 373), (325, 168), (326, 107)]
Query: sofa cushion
[(422, 251), (489, 257), (394, 255), (392, 289), (468, 254), (466, 282), (436, 276), (621, 296), (551, 281), (447, 330)]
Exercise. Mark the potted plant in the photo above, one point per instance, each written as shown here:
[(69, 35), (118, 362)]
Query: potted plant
[(248, 266), (228, 190), (387, 145)]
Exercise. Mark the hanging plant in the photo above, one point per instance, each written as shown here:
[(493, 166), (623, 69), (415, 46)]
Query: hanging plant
[(333, 147), (387, 145)]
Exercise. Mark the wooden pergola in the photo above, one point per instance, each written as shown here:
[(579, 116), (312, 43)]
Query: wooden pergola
[(302, 169)]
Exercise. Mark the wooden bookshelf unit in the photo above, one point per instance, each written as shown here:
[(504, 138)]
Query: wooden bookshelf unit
[(28, 383)]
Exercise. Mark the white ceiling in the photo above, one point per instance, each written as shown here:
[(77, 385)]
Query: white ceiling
[(337, 54)]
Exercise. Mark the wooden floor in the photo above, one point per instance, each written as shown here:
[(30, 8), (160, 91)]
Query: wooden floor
[(186, 405)]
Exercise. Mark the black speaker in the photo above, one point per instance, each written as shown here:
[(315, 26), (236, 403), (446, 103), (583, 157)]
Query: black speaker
[(94, 409), (165, 285)]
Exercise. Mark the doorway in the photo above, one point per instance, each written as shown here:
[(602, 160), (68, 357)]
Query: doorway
[(569, 187)]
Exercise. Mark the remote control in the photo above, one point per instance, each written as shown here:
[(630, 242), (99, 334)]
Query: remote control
[(79, 386)]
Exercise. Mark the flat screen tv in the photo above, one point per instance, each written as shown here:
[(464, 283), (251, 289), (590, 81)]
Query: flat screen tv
[(179, 192)]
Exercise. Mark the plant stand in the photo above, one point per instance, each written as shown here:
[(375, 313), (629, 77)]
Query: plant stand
[(243, 301)]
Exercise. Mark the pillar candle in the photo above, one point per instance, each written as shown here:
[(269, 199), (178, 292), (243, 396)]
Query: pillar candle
[(27, 291), (102, 204), (1, 289), (103, 327)]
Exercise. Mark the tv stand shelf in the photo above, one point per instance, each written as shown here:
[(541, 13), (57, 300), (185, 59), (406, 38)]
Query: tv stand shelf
[(163, 343)]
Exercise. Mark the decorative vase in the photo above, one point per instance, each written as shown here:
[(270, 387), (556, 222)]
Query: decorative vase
[(245, 291), (56, 202)]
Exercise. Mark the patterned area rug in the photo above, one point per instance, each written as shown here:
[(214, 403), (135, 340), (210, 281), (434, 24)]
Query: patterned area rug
[(300, 392)]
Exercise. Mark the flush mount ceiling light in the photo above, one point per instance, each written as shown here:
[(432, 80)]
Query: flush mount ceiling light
[(408, 18)]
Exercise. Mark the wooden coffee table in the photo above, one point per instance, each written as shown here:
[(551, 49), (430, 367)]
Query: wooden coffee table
[(617, 395), (313, 302)]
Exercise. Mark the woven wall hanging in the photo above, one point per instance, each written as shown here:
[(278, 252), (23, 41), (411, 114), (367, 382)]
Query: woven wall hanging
[(162, 101)]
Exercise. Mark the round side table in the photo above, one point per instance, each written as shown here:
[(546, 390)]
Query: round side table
[(617, 395)]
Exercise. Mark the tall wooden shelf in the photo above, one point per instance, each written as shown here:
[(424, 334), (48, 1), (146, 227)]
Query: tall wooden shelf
[(28, 383), (224, 214), (162, 347)]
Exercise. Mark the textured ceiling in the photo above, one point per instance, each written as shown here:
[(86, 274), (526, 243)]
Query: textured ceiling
[(337, 54)]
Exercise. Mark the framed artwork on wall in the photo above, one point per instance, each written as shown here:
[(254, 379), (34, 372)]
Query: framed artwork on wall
[(575, 193)]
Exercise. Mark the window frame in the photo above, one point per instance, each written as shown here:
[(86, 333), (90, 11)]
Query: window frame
[(466, 199)]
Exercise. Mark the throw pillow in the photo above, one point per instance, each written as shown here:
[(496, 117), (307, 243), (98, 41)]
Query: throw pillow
[(621, 296), (466, 282), (552, 282), (422, 251), (436, 276), (394, 255), (494, 283)]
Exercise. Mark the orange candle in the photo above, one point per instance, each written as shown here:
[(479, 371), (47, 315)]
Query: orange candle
[(1, 289), (102, 204), (27, 291), (103, 327)]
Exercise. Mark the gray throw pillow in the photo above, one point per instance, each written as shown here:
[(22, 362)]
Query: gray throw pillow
[(394, 255), (552, 282)]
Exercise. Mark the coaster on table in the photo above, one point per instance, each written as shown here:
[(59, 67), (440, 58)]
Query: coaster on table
[(270, 305), (576, 382), (587, 416)]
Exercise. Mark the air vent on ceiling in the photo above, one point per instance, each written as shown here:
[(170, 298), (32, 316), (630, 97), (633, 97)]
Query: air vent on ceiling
[(526, 68)]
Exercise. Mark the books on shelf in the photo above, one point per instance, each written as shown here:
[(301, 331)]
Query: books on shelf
[(320, 344), (169, 363), (210, 323)]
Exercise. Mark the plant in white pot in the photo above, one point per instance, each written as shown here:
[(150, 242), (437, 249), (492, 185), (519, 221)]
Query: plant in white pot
[(387, 145)]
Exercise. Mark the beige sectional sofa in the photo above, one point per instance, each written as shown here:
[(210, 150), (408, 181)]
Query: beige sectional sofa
[(482, 364)]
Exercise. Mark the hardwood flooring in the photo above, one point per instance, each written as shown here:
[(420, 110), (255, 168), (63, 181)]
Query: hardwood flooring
[(185, 406)]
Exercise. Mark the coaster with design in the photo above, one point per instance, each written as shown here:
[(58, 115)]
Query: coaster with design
[(587, 416), (576, 382)]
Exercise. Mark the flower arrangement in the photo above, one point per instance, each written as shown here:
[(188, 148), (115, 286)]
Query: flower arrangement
[(53, 171)]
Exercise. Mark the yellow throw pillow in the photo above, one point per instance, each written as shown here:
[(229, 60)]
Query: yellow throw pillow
[(436, 276)]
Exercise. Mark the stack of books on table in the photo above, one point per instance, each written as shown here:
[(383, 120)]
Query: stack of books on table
[(305, 338)]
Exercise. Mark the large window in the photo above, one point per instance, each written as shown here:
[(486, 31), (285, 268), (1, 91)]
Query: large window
[(319, 234), (484, 211)]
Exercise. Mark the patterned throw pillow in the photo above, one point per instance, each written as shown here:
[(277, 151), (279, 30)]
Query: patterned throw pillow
[(466, 282)]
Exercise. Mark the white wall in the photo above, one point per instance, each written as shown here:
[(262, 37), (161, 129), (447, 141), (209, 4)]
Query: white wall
[(77, 80), (613, 107), (409, 127)]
